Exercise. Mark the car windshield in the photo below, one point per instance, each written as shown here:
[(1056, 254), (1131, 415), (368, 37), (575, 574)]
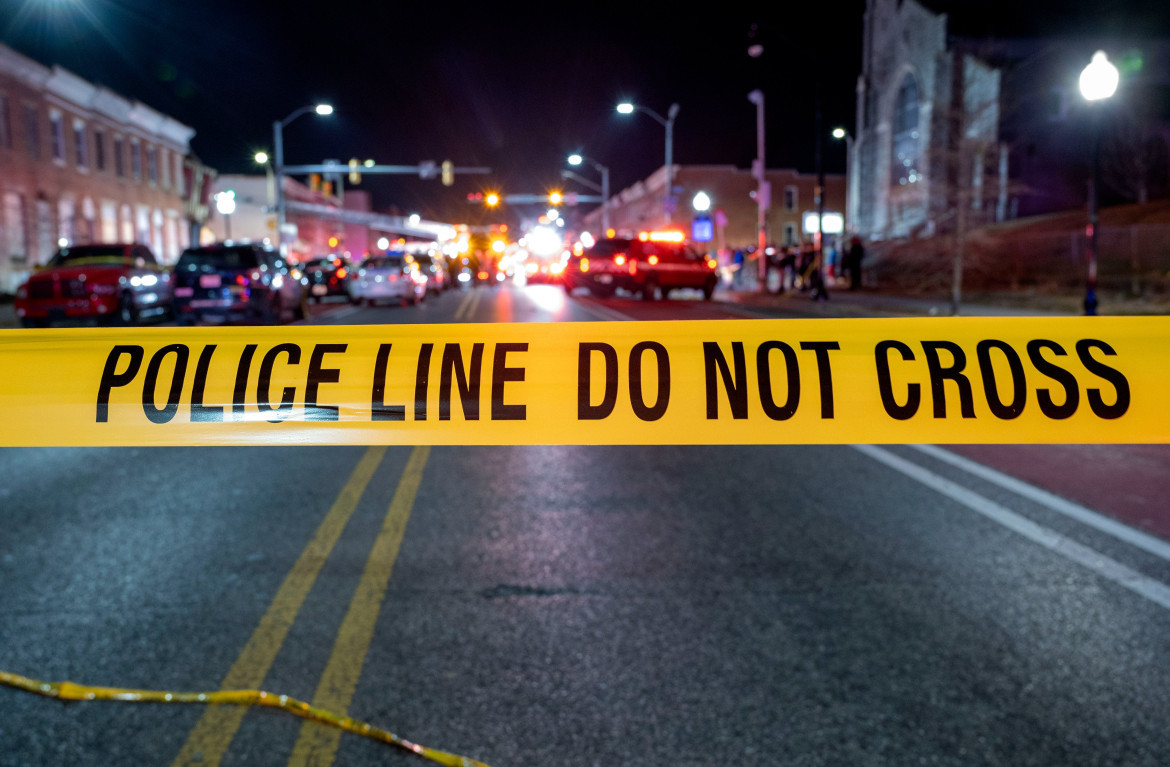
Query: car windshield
[(210, 259), (89, 255), (384, 262), (608, 248)]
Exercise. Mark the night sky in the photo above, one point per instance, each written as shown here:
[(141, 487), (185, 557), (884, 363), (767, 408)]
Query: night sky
[(514, 87)]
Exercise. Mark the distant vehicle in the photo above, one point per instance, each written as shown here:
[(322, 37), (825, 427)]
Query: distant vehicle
[(653, 264), (118, 283), (327, 276), (393, 276), (434, 269), (237, 282)]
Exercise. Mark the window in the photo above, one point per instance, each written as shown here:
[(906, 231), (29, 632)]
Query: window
[(178, 174), (136, 159), (904, 164), (164, 161), (32, 131), (57, 135), (152, 164), (79, 146), (790, 234), (5, 124), (791, 198), (119, 157), (14, 222), (99, 149)]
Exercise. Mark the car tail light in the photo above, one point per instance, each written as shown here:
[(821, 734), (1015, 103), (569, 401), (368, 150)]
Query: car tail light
[(242, 280), (620, 259), (653, 260), (634, 267), (341, 273), (483, 275), (584, 264), (712, 263)]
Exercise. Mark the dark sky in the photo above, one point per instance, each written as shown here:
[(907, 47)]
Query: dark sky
[(515, 87)]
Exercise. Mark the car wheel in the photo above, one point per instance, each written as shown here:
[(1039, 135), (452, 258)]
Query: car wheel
[(127, 313), (650, 289)]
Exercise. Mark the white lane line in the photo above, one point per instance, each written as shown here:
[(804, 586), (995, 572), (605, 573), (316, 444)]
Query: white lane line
[(603, 312), (467, 305), (1122, 532), (1155, 591)]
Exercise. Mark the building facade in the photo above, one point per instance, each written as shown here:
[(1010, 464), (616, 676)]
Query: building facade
[(79, 164), (925, 148), (734, 209)]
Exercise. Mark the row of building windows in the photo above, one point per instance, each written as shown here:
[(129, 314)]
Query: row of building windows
[(160, 166)]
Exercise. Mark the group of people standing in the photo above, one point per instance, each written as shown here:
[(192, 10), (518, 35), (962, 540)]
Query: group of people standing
[(805, 268)]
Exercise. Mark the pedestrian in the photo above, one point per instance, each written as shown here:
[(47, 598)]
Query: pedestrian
[(737, 268), (816, 278), (853, 261)]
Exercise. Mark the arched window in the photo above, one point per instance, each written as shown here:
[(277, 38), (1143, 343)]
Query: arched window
[(904, 163)]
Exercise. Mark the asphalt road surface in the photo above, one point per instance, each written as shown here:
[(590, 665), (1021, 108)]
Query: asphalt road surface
[(591, 605)]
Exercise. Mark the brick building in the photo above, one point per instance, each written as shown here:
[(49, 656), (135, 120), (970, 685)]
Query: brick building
[(79, 163), (732, 193)]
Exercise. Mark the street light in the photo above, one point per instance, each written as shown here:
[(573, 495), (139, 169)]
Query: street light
[(576, 159), (225, 203), (278, 150), (626, 108), (1098, 82), (850, 195), (763, 191)]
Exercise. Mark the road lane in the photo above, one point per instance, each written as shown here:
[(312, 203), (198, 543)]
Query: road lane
[(569, 605)]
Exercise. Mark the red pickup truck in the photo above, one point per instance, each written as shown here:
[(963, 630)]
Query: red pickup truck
[(110, 283)]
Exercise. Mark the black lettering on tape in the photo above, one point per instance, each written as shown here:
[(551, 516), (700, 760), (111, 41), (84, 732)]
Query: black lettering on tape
[(263, 386), (1056, 373), (991, 385), (201, 413), (467, 379), (734, 384), (111, 378), (586, 411), (502, 374), (240, 392), (881, 354), (824, 371), (662, 399), (764, 372), (150, 383), (1112, 375), (317, 376), (939, 375), (379, 410), (422, 379)]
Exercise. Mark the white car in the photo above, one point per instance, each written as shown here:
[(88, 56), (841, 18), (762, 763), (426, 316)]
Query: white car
[(391, 276)]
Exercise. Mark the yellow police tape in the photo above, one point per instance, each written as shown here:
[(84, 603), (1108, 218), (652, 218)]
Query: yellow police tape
[(71, 691), (936, 380)]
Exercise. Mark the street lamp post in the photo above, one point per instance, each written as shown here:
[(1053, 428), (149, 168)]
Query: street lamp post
[(278, 162), (225, 203), (668, 123), (1098, 82), (850, 195), (763, 192), (577, 159)]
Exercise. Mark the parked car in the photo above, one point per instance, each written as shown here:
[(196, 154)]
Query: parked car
[(237, 282), (653, 263), (393, 276), (118, 283), (327, 276), (434, 268)]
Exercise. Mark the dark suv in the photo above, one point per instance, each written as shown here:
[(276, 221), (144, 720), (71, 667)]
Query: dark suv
[(247, 282), (326, 276), (652, 264)]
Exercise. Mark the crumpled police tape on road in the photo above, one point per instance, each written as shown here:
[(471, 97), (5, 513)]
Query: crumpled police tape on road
[(937, 380)]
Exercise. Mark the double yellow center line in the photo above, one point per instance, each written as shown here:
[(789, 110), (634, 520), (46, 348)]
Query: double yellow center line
[(213, 733)]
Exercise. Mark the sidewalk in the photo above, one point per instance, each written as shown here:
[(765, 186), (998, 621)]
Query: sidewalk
[(873, 303)]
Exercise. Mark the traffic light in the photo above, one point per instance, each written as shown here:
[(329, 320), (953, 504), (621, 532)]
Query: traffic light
[(448, 173), (492, 199), (315, 182), (555, 198), (334, 241), (475, 197), (355, 176)]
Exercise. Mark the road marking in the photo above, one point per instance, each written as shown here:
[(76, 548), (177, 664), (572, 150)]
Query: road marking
[(1122, 532), (213, 733), (1155, 591), (603, 312), (317, 743), (468, 305)]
